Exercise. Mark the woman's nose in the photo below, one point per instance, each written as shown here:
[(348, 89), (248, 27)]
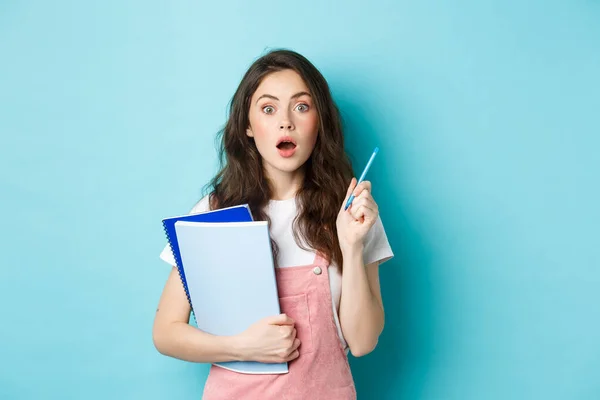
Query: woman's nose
[(286, 123)]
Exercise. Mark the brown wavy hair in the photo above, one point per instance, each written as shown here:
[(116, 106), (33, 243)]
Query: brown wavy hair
[(328, 171)]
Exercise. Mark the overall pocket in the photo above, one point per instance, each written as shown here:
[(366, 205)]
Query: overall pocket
[(296, 307)]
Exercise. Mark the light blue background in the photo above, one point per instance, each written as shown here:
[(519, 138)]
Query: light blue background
[(488, 117)]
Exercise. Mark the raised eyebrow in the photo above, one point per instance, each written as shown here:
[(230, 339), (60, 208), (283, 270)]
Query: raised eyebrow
[(275, 98), (301, 94), (267, 96)]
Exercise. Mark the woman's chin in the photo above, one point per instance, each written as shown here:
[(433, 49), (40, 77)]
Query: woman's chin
[(287, 165)]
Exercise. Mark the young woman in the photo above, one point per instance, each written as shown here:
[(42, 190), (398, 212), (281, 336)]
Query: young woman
[(283, 154)]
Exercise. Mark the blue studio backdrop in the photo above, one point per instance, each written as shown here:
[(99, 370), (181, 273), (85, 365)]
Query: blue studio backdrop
[(487, 114)]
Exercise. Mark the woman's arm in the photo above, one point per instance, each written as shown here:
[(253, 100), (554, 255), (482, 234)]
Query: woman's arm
[(174, 337), (271, 339), (361, 307)]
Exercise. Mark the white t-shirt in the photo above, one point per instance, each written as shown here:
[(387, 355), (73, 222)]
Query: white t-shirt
[(282, 214)]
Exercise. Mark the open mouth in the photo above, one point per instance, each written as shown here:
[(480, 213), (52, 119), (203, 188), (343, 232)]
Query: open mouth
[(286, 144)]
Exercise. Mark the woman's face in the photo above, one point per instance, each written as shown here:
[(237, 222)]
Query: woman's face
[(283, 122)]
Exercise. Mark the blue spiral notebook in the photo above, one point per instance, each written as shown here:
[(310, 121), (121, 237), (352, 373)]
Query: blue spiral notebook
[(202, 247), (239, 213)]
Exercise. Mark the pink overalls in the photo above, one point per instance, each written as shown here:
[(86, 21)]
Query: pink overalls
[(321, 371)]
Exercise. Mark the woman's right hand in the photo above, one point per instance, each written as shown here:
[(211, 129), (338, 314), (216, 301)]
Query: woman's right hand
[(270, 340)]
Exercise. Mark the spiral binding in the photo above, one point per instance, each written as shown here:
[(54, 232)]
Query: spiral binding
[(179, 270)]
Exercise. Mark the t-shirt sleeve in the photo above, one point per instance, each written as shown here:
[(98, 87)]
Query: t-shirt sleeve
[(377, 247), (203, 205)]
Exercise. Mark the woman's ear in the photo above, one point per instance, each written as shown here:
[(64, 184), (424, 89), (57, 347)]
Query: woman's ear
[(249, 132)]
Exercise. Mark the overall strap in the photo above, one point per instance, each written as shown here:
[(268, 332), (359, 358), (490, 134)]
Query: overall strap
[(321, 260)]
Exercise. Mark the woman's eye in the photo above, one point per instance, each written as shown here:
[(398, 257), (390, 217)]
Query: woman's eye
[(268, 110), (302, 107)]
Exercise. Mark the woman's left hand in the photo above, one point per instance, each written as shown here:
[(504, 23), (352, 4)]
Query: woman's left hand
[(354, 223)]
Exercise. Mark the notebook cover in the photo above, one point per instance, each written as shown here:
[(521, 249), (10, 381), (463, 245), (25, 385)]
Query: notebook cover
[(240, 213), (231, 279)]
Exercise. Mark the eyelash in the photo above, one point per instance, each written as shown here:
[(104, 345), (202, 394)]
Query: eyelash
[(302, 104)]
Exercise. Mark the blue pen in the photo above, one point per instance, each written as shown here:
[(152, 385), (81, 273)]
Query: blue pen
[(362, 176)]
